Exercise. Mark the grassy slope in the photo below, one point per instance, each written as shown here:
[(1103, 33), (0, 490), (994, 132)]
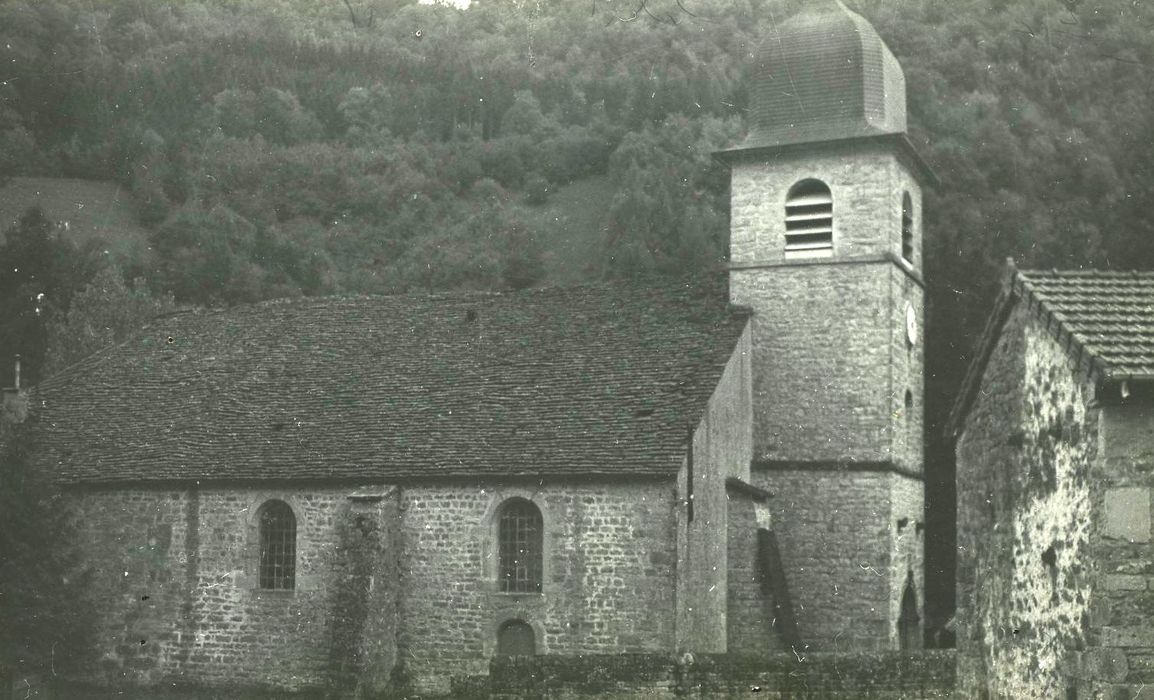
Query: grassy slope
[(94, 210)]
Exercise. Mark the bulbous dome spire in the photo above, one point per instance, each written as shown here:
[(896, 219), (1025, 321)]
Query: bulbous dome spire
[(825, 74)]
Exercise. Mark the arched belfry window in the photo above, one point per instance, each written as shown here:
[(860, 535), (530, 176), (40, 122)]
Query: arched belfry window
[(809, 219), (907, 228), (520, 544), (278, 546)]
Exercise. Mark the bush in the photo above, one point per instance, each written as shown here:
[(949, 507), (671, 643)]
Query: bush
[(47, 619), (536, 189)]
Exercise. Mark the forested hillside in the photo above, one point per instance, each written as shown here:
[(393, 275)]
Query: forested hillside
[(289, 147)]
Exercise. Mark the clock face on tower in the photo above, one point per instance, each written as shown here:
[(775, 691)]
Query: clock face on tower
[(911, 324)]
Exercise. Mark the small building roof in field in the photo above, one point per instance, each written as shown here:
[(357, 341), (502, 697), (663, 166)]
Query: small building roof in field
[(596, 380), (1104, 318)]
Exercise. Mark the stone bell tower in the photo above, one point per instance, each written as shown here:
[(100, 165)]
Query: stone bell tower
[(826, 248)]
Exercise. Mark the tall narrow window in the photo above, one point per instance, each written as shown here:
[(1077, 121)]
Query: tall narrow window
[(909, 418), (907, 229), (809, 220), (519, 534), (909, 622), (278, 546)]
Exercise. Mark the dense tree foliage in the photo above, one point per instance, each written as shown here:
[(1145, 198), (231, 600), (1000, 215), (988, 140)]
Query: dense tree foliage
[(47, 617), (283, 147), (40, 273)]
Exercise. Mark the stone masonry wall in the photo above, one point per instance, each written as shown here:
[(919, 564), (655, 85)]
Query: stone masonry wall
[(826, 385), (749, 602), (986, 457), (1119, 658), (884, 676), (832, 368), (821, 370), (722, 449), (1024, 518), (608, 574), (178, 571), (866, 182), (177, 568), (907, 549), (835, 529), (907, 373)]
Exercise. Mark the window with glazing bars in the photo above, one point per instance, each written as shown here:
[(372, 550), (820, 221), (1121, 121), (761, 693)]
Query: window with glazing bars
[(278, 546), (519, 535)]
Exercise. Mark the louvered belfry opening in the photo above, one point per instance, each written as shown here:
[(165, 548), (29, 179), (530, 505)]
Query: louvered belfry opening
[(907, 229), (278, 546), (809, 220), (520, 547)]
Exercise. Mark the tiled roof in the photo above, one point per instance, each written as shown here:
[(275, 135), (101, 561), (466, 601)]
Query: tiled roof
[(598, 380), (1110, 315), (1105, 318)]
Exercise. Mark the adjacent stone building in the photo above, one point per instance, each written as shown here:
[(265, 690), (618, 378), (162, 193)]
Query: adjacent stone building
[(1055, 456), (387, 492)]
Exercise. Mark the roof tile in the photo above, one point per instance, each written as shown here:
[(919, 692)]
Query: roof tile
[(591, 380), (1110, 314)]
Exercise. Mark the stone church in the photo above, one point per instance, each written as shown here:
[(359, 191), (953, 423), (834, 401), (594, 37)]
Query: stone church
[(384, 488)]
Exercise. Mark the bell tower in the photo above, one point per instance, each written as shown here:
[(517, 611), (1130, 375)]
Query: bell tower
[(826, 248)]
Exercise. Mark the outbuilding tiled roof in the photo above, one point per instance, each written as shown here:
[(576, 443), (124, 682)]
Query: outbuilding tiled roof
[(1109, 314), (599, 380), (1104, 318)]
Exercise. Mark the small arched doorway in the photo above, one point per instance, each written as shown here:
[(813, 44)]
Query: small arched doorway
[(516, 638), (909, 627)]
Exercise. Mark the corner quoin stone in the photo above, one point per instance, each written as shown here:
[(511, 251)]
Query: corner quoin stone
[(1128, 514)]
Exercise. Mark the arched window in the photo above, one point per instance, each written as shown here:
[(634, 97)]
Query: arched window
[(519, 538), (278, 546), (909, 417), (809, 219), (907, 229), (516, 638), (909, 622)]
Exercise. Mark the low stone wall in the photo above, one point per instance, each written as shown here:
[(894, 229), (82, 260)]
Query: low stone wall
[(878, 675)]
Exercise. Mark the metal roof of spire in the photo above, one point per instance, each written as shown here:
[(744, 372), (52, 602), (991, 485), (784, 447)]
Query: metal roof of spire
[(825, 74)]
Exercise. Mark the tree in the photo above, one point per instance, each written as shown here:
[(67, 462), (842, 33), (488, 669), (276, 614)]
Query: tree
[(102, 314), (47, 622), (522, 257), (39, 275), (669, 212)]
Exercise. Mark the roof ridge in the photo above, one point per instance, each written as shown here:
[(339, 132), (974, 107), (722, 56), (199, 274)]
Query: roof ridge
[(1087, 272), (667, 289), (1073, 306), (1047, 298)]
